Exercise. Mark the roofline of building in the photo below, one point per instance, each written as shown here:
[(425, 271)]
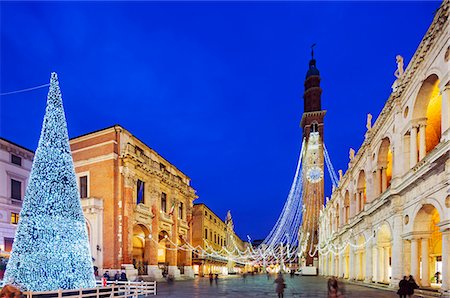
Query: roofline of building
[(15, 144), (134, 136)]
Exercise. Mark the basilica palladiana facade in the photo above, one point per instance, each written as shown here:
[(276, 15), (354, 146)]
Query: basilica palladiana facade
[(389, 216)]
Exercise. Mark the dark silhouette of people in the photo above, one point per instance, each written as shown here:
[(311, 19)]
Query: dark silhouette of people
[(333, 288), (403, 288), (117, 276), (216, 278), (279, 289), (123, 276), (268, 275), (106, 275), (412, 285), (211, 278)]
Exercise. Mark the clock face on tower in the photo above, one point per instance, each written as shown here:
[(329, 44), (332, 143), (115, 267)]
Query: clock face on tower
[(314, 174)]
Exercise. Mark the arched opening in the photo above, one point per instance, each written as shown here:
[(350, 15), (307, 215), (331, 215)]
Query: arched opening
[(163, 246), (346, 206), (347, 262), (338, 213), (383, 255), (426, 125), (181, 254), (140, 243), (361, 195), (384, 167), (426, 247), (360, 258)]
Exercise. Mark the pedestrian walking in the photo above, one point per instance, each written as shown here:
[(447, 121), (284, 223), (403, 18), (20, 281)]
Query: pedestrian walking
[(280, 285), (106, 275), (333, 288), (123, 276), (216, 278), (268, 275), (412, 285), (10, 291), (117, 276), (211, 278), (403, 288)]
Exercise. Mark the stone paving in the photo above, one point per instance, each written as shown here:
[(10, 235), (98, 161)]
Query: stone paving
[(259, 286)]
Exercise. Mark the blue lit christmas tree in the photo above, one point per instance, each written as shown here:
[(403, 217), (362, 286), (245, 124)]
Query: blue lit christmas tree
[(51, 248)]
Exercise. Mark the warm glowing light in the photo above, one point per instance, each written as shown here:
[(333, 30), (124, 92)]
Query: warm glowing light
[(389, 166), (434, 110)]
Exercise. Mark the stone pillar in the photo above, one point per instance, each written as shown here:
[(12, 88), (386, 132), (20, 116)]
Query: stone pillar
[(422, 147), (445, 110), (340, 259), (369, 269), (383, 179), (425, 263), (378, 182), (380, 264), (446, 261), (376, 266), (415, 259), (153, 270), (352, 263), (413, 147), (397, 251), (386, 264)]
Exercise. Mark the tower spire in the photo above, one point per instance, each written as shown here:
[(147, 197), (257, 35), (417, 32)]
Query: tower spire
[(312, 51)]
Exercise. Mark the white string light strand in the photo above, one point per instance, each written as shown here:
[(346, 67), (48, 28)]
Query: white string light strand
[(24, 90)]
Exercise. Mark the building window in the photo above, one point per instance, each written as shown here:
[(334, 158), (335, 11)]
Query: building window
[(140, 191), (8, 244), (210, 235), (180, 210), (83, 187), (162, 167), (206, 214), (14, 218), (164, 202), (206, 234), (16, 189), (215, 220), (17, 160), (215, 237), (210, 217)]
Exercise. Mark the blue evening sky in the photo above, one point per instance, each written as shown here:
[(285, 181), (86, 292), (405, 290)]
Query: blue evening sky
[(214, 87)]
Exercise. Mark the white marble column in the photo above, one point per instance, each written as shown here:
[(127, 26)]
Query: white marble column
[(397, 251), (415, 259), (446, 261), (422, 147), (369, 270), (386, 264), (341, 266), (352, 263), (380, 264), (413, 147), (377, 182), (445, 110), (425, 263), (376, 267)]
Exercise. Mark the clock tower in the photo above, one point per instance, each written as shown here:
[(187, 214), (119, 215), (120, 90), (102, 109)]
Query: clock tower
[(313, 163)]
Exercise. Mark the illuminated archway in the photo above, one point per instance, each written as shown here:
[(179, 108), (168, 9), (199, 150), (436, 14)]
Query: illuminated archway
[(384, 166), (383, 254), (427, 115), (346, 206), (427, 246), (360, 258), (361, 196), (140, 244)]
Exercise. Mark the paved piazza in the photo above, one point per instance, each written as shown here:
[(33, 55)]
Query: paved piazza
[(259, 286)]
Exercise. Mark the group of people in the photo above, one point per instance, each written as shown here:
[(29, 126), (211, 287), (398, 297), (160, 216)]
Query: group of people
[(407, 287), (119, 276)]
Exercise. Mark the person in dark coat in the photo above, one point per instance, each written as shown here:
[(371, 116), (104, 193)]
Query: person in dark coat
[(403, 287), (280, 285), (123, 276), (412, 285)]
